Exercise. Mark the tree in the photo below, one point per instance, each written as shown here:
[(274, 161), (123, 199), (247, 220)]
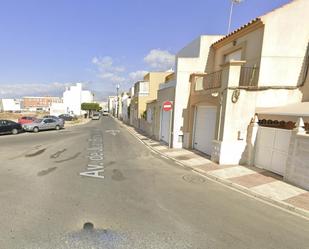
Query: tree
[(90, 107)]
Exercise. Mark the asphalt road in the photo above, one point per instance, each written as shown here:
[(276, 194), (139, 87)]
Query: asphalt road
[(143, 201)]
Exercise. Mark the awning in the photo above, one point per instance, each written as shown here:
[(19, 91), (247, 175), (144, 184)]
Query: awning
[(299, 109)]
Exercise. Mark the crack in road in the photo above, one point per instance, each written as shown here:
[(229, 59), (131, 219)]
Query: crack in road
[(39, 152), (57, 154), (46, 171)]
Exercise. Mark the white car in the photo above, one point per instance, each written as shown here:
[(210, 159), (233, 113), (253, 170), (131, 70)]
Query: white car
[(96, 116)]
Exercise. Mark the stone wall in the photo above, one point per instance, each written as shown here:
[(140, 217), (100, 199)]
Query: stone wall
[(297, 168)]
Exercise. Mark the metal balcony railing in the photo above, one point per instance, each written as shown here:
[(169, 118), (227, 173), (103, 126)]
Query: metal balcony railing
[(249, 76), (208, 81), (212, 80)]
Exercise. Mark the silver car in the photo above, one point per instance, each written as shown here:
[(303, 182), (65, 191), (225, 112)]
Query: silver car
[(96, 116), (44, 124)]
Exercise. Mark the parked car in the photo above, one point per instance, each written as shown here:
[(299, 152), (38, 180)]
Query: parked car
[(53, 117), (44, 124), (105, 113), (96, 116), (26, 120), (67, 117), (9, 127)]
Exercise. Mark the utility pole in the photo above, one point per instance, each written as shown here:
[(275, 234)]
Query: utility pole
[(117, 107), (231, 13)]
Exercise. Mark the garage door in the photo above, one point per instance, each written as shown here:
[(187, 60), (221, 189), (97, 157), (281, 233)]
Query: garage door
[(271, 149), (204, 130), (165, 126)]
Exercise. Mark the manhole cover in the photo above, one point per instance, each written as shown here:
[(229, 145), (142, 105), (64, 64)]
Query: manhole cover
[(193, 179), (88, 226)]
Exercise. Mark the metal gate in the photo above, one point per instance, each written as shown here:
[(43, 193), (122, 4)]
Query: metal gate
[(271, 149)]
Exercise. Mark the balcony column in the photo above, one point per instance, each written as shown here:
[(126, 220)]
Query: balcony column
[(230, 78), (235, 112)]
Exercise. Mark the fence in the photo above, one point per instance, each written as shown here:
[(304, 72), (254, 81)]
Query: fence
[(249, 76)]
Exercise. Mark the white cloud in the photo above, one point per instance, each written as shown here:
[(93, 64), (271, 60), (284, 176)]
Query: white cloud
[(108, 71), (160, 59), (137, 75), (20, 90)]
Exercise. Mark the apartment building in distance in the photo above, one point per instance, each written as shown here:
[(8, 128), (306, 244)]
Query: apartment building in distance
[(145, 91), (39, 103)]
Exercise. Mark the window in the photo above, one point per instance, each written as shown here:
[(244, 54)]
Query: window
[(144, 88), (234, 56)]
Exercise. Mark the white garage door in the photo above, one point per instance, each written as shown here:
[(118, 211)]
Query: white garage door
[(165, 126), (271, 149), (205, 126)]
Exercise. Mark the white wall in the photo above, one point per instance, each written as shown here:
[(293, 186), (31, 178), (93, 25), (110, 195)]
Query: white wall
[(286, 37), (57, 109), (192, 58), (297, 168), (126, 100), (9, 105), (87, 96), (73, 97)]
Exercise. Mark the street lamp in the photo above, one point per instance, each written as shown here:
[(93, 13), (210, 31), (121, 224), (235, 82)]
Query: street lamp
[(117, 110), (231, 12)]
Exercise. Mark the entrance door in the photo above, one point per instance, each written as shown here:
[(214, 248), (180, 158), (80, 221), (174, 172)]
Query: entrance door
[(205, 128), (165, 126)]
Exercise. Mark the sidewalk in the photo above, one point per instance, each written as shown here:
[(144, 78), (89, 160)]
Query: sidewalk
[(253, 181)]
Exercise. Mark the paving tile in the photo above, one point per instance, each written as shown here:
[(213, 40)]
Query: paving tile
[(252, 180), (195, 161), (178, 153), (212, 166), (232, 172), (301, 201), (161, 147), (278, 190)]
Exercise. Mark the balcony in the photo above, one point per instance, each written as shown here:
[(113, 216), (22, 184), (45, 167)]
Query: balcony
[(208, 81), (249, 76), (141, 88), (244, 77)]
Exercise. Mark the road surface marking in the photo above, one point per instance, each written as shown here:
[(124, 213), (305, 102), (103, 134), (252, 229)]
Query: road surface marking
[(113, 132), (95, 166)]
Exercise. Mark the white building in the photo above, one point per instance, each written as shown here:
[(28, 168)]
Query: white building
[(9, 105), (73, 97), (192, 58), (112, 104), (103, 105), (125, 104)]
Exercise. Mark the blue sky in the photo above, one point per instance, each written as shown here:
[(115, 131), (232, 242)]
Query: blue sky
[(47, 44)]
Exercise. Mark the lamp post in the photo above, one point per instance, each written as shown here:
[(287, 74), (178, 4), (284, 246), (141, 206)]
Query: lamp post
[(117, 107), (231, 13)]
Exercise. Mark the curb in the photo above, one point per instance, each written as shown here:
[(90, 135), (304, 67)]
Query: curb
[(77, 124), (280, 204)]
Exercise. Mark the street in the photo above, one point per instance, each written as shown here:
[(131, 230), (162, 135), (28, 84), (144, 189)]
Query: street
[(56, 185)]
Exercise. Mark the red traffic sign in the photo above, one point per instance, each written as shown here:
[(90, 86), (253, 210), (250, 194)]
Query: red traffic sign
[(167, 106)]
